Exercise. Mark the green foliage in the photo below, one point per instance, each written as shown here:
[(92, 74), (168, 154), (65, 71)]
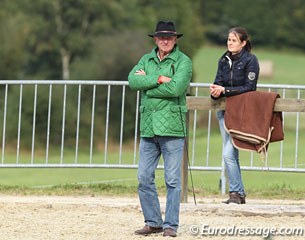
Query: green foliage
[(279, 28), (81, 39), (38, 35), (54, 34), (12, 37), (182, 13), (107, 59)]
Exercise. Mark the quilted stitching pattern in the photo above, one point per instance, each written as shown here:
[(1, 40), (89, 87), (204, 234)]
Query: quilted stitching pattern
[(164, 122)]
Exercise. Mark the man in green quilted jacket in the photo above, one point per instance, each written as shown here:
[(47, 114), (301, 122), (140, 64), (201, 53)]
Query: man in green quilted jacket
[(162, 76)]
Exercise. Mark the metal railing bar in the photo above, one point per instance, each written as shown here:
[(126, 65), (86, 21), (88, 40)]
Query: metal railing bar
[(49, 123), (34, 124), (63, 124), (107, 123), (297, 134), (92, 122), (122, 124), (4, 123), (19, 123), (123, 82), (136, 128), (77, 122), (194, 130), (65, 82), (208, 137), (283, 124)]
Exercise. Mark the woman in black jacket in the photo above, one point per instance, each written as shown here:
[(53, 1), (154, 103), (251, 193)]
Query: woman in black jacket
[(237, 73)]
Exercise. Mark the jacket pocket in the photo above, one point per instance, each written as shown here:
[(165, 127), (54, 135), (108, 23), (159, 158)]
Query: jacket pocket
[(145, 119), (177, 119), (142, 109), (142, 117), (176, 109)]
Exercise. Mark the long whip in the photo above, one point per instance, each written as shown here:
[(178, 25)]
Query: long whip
[(187, 156)]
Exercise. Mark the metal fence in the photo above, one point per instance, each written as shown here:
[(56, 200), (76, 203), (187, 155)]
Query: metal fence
[(282, 156), (94, 124)]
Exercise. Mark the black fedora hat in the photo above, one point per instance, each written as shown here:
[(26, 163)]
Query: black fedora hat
[(165, 29)]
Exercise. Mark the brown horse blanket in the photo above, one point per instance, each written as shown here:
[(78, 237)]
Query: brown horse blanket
[(251, 121)]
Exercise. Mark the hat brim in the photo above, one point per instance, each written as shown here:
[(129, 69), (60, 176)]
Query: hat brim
[(178, 35)]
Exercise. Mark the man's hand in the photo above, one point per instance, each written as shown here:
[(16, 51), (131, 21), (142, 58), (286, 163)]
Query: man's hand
[(163, 79), (140, 72)]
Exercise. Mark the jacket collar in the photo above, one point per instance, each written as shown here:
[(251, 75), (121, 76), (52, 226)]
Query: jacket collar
[(173, 55), (234, 57)]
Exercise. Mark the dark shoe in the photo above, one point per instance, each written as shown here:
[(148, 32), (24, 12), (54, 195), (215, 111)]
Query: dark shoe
[(146, 230), (242, 199), (236, 198), (169, 232)]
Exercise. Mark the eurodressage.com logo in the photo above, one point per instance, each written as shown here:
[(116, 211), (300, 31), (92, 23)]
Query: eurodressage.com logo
[(206, 230)]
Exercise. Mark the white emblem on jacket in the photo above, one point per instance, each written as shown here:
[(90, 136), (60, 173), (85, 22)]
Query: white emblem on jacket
[(251, 76)]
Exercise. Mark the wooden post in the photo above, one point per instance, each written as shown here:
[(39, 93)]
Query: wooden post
[(184, 168)]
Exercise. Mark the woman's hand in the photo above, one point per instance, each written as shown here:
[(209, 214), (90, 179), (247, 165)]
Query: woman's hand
[(216, 90)]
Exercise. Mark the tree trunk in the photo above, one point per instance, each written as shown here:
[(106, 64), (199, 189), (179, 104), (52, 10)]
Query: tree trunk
[(65, 58)]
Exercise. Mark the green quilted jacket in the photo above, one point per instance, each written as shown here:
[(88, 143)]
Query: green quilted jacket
[(163, 106)]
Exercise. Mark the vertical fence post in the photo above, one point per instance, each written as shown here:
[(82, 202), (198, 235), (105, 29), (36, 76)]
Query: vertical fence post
[(223, 178), (184, 166)]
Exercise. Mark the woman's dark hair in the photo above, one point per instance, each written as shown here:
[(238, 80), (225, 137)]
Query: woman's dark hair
[(243, 36)]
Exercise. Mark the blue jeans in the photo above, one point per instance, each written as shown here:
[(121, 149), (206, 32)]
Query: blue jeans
[(151, 149), (230, 156)]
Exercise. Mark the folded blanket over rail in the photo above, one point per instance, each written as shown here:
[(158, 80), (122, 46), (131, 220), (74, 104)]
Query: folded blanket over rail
[(251, 121)]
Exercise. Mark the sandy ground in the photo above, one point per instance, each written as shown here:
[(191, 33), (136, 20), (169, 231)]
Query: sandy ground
[(104, 217)]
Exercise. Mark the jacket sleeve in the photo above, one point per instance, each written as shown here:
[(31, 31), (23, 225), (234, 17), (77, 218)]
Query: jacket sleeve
[(218, 79), (142, 82), (250, 79), (182, 75)]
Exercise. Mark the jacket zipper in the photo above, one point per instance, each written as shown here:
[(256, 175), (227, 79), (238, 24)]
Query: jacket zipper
[(231, 64), (232, 74)]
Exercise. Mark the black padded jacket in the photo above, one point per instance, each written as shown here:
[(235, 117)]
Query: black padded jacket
[(237, 73)]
